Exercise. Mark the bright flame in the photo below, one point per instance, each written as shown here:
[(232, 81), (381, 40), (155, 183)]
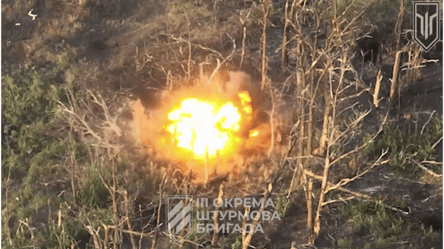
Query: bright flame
[(245, 101), (211, 125), (254, 133), (204, 128)]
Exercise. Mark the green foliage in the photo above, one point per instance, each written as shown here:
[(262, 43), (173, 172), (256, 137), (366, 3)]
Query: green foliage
[(385, 225), (182, 8), (344, 243), (72, 230), (202, 212), (238, 243), (29, 109), (404, 146), (282, 204), (374, 216), (96, 217), (69, 231), (31, 158), (93, 192)]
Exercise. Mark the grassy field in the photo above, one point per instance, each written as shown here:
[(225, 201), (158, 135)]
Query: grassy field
[(350, 159)]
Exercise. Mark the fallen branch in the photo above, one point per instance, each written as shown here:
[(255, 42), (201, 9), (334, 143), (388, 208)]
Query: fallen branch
[(425, 168), (437, 142), (348, 180), (338, 200)]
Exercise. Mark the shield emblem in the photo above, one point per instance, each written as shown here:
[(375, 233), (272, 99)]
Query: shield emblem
[(426, 23)]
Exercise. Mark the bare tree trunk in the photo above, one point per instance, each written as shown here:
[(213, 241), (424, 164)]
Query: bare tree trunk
[(244, 37), (128, 222), (300, 113), (323, 140), (288, 17), (317, 221), (216, 215), (394, 84), (310, 121), (246, 242), (284, 58), (266, 6), (399, 24), (114, 198), (156, 231), (106, 239), (309, 196), (377, 87), (300, 81)]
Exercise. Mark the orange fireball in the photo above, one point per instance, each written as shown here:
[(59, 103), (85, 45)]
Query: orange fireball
[(207, 128)]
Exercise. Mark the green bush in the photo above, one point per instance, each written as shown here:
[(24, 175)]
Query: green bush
[(374, 216), (345, 243), (31, 158), (403, 146), (93, 192), (29, 110)]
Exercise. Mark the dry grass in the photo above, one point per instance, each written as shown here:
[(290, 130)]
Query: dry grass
[(115, 190)]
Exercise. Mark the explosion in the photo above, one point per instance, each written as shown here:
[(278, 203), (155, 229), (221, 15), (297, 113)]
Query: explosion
[(208, 125), (205, 128)]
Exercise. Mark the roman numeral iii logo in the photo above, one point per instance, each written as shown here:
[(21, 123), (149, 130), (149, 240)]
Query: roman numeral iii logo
[(179, 215), (426, 24)]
